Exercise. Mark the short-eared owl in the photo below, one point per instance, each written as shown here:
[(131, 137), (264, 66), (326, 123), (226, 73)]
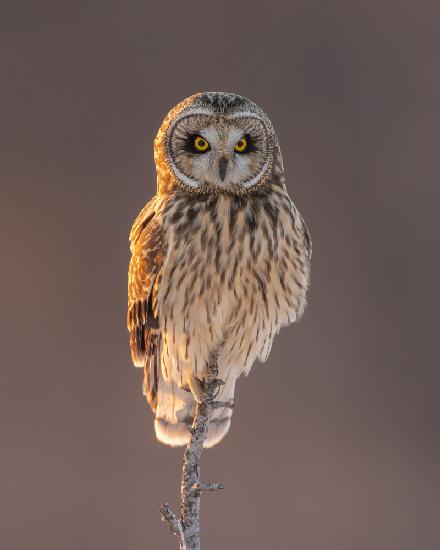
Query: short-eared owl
[(220, 258)]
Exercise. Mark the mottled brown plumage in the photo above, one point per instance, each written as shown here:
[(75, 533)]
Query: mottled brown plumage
[(219, 265)]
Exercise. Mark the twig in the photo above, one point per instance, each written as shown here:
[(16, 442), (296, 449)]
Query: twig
[(223, 404), (187, 529), (173, 523), (198, 487)]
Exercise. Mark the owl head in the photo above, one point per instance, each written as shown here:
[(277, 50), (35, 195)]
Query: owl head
[(216, 142)]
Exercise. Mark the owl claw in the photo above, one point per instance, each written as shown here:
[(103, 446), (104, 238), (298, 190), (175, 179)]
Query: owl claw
[(197, 389), (203, 390), (216, 385)]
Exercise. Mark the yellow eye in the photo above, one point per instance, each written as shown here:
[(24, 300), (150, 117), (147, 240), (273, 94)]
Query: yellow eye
[(241, 145), (200, 144)]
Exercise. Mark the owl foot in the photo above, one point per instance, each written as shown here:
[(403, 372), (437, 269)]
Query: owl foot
[(216, 387), (197, 388), (203, 390)]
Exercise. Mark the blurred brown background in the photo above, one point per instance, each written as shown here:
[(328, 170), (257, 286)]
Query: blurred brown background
[(335, 442)]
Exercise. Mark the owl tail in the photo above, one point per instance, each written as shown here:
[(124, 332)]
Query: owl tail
[(175, 413)]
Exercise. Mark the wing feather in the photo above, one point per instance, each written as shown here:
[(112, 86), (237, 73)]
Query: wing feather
[(147, 246)]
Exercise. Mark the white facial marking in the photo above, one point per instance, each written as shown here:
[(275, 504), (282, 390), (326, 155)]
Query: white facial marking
[(253, 181), (244, 114)]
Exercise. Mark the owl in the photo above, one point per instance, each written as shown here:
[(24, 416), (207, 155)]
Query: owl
[(220, 258)]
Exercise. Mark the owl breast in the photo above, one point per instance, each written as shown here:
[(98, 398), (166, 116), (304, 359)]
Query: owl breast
[(235, 272)]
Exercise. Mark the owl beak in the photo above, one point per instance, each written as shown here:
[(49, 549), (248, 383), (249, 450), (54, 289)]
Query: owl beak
[(222, 167)]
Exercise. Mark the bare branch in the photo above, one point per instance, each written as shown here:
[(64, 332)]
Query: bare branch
[(188, 528)]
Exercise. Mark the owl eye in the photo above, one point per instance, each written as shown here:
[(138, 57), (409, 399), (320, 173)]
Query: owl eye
[(242, 145), (200, 145)]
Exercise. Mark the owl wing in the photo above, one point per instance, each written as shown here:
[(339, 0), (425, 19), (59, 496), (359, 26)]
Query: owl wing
[(147, 244), (307, 240)]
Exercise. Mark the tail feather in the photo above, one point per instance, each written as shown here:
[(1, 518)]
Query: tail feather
[(175, 412)]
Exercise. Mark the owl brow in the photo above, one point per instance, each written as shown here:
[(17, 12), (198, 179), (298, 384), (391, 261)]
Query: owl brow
[(188, 115), (244, 114), (252, 123), (199, 111)]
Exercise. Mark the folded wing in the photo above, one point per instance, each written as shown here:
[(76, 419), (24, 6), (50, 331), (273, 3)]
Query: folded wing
[(147, 244)]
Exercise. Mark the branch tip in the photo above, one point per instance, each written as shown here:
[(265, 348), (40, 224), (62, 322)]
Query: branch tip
[(173, 523), (200, 486)]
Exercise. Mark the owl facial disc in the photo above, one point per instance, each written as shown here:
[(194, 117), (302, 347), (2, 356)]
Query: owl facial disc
[(219, 143)]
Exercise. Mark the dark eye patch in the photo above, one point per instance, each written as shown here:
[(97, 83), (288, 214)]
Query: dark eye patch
[(254, 132), (181, 138), (190, 144), (251, 146)]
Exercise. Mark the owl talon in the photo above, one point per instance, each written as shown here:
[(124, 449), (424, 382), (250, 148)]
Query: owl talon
[(216, 387), (197, 388)]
